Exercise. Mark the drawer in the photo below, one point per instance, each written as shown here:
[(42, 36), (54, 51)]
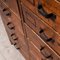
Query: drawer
[(52, 42), (43, 53), (53, 21), (33, 21), (13, 7)]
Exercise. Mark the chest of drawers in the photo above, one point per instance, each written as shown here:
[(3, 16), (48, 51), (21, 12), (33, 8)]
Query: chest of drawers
[(33, 27)]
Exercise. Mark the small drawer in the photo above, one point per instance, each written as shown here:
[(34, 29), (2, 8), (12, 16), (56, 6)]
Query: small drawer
[(42, 53), (13, 7), (52, 42), (34, 22), (44, 14)]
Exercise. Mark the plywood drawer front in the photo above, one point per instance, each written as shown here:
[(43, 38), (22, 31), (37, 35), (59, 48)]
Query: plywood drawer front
[(12, 4), (37, 12), (35, 39)]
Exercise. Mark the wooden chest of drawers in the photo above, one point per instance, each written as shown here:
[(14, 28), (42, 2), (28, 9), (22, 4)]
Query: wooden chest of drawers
[(33, 27), (41, 21)]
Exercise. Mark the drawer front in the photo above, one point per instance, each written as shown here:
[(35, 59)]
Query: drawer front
[(45, 14), (12, 4), (35, 38)]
